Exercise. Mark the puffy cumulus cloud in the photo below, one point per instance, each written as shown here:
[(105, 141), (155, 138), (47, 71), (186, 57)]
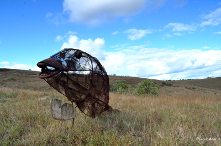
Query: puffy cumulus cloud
[(164, 63), (89, 46), (147, 68), (135, 34), (213, 18), (95, 12), (151, 62), (6, 64), (114, 62), (185, 63), (180, 27), (99, 11)]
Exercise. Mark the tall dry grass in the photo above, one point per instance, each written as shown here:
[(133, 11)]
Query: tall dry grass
[(178, 119)]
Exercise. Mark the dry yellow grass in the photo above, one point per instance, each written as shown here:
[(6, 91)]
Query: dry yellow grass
[(178, 119)]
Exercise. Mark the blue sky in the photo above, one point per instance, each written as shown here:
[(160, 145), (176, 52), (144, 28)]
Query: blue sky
[(157, 39)]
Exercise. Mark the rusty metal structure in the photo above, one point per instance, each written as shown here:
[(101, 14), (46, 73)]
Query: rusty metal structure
[(80, 77)]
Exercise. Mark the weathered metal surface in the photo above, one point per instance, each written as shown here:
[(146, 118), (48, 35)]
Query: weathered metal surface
[(80, 77), (62, 112)]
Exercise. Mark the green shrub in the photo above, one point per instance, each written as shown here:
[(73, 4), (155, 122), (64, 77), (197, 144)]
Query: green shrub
[(130, 89), (112, 88), (166, 84), (120, 86), (147, 87)]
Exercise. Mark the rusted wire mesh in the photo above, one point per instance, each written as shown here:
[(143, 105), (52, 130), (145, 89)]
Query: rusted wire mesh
[(80, 77)]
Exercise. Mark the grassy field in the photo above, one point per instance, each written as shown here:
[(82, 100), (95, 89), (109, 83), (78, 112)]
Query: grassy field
[(180, 115)]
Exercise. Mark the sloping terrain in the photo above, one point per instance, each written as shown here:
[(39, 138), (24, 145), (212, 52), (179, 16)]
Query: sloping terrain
[(186, 112), (24, 79)]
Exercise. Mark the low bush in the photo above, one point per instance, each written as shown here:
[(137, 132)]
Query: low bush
[(147, 87), (120, 87), (166, 84)]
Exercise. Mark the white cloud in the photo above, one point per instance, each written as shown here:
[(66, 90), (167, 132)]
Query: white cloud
[(151, 62), (99, 11), (155, 63), (58, 38), (213, 18), (71, 32), (136, 47), (114, 62), (136, 34), (163, 63), (5, 63), (114, 46), (68, 33), (49, 14), (116, 32), (89, 46), (180, 27), (167, 35), (119, 46), (55, 19), (129, 51), (95, 12), (206, 47), (19, 66), (218, 32), (177, 34)]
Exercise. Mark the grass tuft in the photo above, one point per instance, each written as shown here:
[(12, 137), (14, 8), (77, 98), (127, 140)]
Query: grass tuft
[(176, 119)]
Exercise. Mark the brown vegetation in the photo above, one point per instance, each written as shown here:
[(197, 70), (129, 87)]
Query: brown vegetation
[(178, 116)]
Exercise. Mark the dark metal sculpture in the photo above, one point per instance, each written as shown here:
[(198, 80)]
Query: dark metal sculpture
[(80, 77)]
